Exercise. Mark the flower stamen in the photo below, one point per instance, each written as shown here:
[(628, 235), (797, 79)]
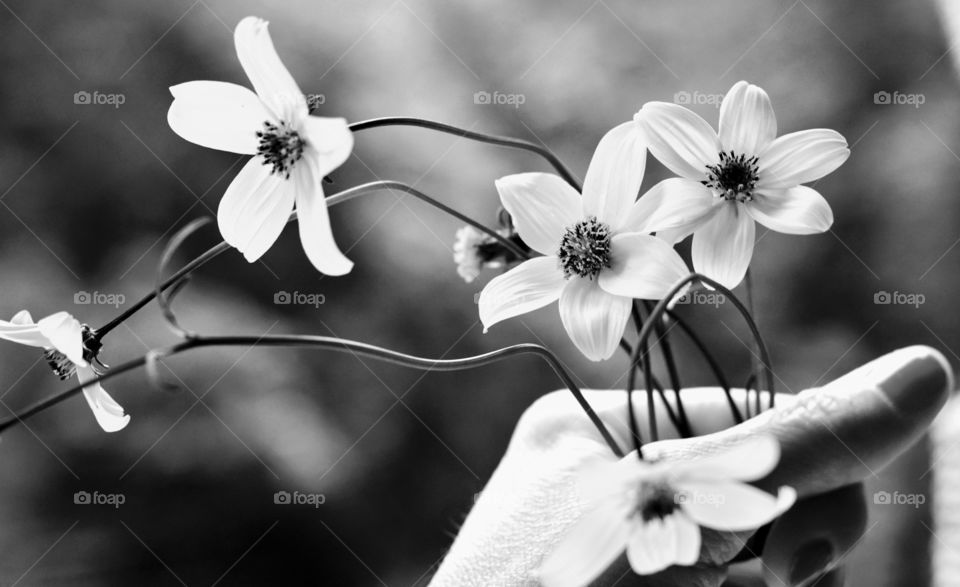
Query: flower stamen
[(734, 177), (656, 500), (280, 146), (585, 249)]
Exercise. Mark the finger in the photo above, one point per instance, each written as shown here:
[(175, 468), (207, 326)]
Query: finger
[(814, 537), (844, 432)]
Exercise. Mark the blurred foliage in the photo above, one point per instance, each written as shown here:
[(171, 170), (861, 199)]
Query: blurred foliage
[(90, 192)]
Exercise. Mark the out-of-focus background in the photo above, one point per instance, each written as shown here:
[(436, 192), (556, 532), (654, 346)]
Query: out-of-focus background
[(90, 190)]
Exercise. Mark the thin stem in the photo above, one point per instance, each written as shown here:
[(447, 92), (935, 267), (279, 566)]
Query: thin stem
[(474, 136), (337, 345), (663, 338), (755, 367)]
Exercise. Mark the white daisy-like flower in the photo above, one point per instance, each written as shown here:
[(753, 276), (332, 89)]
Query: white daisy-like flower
[(741, 175), (598, 253), (292, 151), (654, 511), (466, 252), (62, 338)]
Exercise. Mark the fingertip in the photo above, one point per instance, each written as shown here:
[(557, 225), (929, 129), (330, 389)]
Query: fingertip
[(917, 380)]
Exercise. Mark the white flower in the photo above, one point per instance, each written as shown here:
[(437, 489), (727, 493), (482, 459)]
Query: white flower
[(598, 255), (654, 511), (741, 175), (61, 337), (292, 150), (466, 253)]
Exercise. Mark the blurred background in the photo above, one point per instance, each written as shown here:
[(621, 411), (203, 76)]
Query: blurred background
[(90, 191)]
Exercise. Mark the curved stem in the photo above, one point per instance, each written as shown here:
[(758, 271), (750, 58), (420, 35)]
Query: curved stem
[(473, 136), (337, 345)]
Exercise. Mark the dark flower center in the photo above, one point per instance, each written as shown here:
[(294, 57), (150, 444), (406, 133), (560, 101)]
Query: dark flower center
[(585, 249), (656, 500), (735, 177), (63, 367), (280, 146)]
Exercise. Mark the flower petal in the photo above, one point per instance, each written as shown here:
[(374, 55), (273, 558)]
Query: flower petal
[(21, 329), (732, 506), (255, 208), (680, 139), (801, 157), (313, 221), (270, 78), (674, 203), (106, 410), (529, 286), (642, 266), (593, 318), (752, 459), (589, 547), (329, 142), (543, 206), (218, 115), (796, 210), (65, 334), (615, 174), (722, 248), (747, 122), (688, 540), (655, 545)]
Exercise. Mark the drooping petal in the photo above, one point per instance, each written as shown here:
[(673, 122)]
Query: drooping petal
[(747, 122), (801, 157), (218, 115), (732, 506), (109, 414), (21, 329), (688, 540), (527, 287), (270, 78), (65, 334), (593, 318), (642, 266), (255, 208), (680, 139), (615, 174), (655, 545), (542, 205), (604, 480), (329, 142), (752, 459), (722, 248), (313, 221), (674, 203), (589, 547), (796, 210)]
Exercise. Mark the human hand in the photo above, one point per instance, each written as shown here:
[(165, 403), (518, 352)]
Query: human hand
[(831, 439)]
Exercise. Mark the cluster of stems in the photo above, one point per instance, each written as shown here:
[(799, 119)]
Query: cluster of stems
[(648, 319)]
